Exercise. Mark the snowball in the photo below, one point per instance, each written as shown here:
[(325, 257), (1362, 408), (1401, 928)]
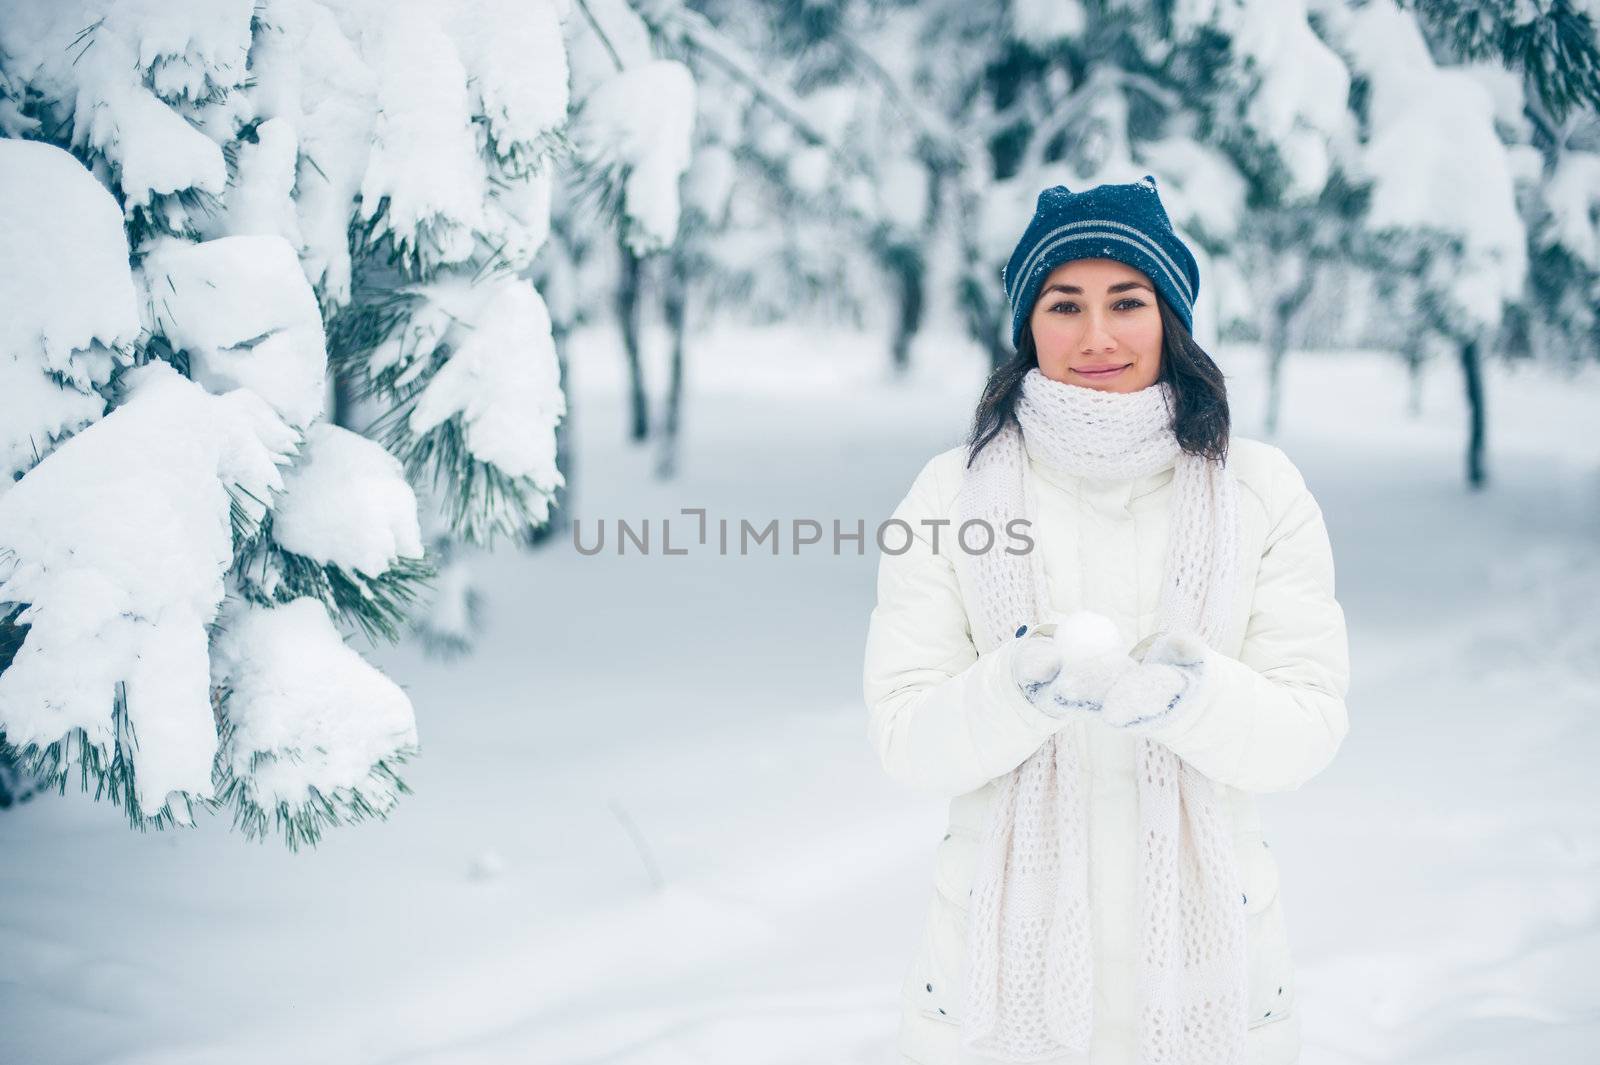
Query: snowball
[(1086, 634)]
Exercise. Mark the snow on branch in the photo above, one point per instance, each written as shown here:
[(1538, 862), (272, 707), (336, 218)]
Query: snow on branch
[(292, 754), (117, 544)]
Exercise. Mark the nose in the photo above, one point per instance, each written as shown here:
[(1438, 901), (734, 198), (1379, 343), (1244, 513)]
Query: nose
[(1096, 336)]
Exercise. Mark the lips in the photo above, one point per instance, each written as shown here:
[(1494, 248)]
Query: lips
[(1103, 372)]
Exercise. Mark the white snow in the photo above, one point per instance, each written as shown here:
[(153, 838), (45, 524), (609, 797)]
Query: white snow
[(152, 149), (64, 281), (1573, 196), (902, 194), (347, 503), (650, 827), (519, 63), (1040, 22), (448, 613), (1300, 105), (502, 378), (641, 119), (604, 36), (261, 200), (1198, 183), (402, 105), (118, 541), (424, 171), (1432, 126), (190, 47), (710, 178), (66, 300), (310, 75), (36, 411), (293, 685), (242, 310)]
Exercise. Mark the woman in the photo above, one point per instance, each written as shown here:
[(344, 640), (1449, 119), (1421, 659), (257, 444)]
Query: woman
[(1103, 692)]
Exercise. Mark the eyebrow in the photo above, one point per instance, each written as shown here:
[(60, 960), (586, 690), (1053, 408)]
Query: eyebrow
[(1121, 286)]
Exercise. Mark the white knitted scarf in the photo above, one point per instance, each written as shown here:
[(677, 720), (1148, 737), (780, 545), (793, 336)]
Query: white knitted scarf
[(1029, 968)]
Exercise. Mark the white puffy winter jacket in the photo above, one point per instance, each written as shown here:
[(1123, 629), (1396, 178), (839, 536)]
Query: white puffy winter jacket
[(947, 720)]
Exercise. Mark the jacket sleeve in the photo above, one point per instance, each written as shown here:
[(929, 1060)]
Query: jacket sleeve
[(1273, 718), (944, 719)]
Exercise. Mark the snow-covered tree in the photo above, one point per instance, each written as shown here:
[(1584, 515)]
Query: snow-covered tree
[(644, 117), (1236, 107), (788, 208), (1281, 215), (1545, 78), (212, 205), (814, 196), (1452, 255)]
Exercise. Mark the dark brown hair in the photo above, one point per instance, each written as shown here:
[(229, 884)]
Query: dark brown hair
[(1201, 421)]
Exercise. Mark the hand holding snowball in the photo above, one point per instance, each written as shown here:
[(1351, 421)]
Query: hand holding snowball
[(1073, 667), (1082, 665), (1171, 679)]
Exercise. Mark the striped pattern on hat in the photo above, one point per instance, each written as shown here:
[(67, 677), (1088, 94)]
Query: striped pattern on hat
[(1125, 222)]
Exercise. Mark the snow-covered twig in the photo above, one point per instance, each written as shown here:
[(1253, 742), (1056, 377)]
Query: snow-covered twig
[(712, 45)]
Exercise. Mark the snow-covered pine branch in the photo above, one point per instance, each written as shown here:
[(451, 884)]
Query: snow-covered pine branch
[(188, 528)]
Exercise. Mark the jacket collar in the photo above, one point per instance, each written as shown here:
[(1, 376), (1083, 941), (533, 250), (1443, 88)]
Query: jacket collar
[(1114, 494)]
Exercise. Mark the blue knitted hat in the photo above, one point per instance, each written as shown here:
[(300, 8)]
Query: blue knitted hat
[(1122, 222)]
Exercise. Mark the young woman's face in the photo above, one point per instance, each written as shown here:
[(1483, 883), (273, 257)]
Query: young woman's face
[(1093, 314)]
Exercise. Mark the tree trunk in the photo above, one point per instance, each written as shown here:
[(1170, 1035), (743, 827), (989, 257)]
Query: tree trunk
[(1414, 361), (674, 297), (1472, 376), (628, 312), (1276, 343), (906, 268), (1284, 311), (983, 306)]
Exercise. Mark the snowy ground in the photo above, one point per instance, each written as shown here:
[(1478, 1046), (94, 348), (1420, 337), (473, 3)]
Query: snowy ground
[(648, 827)]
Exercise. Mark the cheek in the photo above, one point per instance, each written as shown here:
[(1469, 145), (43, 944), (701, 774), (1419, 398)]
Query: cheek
[(1145, 336), (1055, 329)]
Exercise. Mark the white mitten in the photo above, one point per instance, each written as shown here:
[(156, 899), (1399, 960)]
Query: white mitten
[(1169, 680), (1071, 662)]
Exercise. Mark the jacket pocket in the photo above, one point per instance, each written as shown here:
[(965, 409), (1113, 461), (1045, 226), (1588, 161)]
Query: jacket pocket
[(1270, 965), (955, 863), (936, 987), (933, 983)]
